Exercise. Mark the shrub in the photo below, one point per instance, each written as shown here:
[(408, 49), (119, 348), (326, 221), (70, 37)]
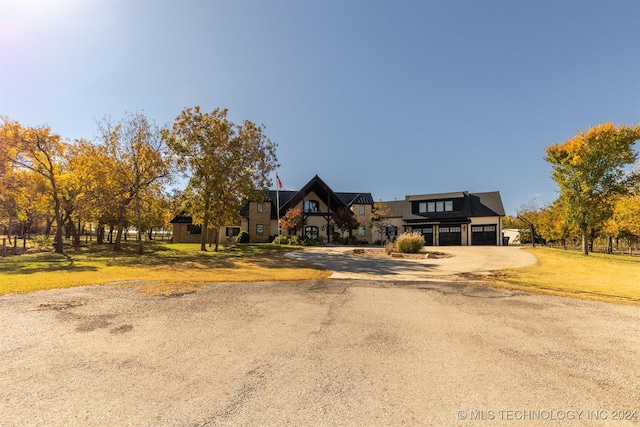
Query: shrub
[(281, 240), (389, 247), (312, 242), (243, 237), (43, 241), (295, 240), (410, 242), (338, 239)]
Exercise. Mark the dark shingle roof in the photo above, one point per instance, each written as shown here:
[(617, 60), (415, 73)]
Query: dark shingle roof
[(486, 204), (474, 205)]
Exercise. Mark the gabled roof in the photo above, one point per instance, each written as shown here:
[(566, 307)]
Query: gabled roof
[(181, 219), (356, 198), (316, 185)]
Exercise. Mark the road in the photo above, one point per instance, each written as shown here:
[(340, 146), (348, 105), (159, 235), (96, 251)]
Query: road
[(329, 352)]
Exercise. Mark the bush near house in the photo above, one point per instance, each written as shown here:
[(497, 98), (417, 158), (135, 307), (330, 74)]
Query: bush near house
[(243, 237), (410, 242)]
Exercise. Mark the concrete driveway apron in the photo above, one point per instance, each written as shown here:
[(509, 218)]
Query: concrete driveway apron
[(465, 259)]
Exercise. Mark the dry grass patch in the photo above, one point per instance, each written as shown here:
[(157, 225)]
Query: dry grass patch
[(602, 277)]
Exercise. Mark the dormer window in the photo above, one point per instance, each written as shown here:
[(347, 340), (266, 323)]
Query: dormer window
[(436, 206)]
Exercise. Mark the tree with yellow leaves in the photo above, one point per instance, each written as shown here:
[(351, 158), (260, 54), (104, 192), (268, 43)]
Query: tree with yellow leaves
[(138, 160), (227, 164), (42, 152), (591, 170)]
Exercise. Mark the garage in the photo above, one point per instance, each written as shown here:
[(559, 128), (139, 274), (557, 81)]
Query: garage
[(484, 235), (450, 235), (427, 233)]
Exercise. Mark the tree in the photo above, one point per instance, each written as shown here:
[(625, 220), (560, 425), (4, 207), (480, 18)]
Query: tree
[(590, 170), (292, 220), (227, 163), (625, 221), (138, 160), (42, 152), (345, 220), (380, 217)]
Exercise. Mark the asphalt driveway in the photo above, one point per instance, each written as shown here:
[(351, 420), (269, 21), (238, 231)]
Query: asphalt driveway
[(466, 259), (317, 353)]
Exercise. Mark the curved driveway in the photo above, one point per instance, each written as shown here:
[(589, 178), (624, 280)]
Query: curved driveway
[(466, 259)]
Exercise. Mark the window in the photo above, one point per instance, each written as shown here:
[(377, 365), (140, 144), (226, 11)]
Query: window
[(232, 231), (361, 210), (436, 206), (259, 228), (194, 229), (361, 230), (483, 228), (311, 231), (454, 229), (260, 207), (311, 206), (391, 231)]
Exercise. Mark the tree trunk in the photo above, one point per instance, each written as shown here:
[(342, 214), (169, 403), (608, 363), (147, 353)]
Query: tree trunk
[(9, 228), (118, 244), (58, 240), (216, 231), (47, 228), (100, 234), (585, 239), (205, 223), (139, 224)]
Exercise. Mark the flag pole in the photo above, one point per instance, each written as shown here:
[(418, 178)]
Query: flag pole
[(278, 185)]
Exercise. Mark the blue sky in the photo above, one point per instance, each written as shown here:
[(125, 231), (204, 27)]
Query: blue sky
[(387, 97)]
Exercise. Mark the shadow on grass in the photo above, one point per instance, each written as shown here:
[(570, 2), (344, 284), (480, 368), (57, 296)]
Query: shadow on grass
[(175, 256), (42, 263)]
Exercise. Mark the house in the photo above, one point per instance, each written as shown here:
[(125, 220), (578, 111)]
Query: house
[(318, 202), (185, 231), (458, 218), (449, 219)]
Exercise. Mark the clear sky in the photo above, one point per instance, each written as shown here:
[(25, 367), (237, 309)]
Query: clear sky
[(387, 97)]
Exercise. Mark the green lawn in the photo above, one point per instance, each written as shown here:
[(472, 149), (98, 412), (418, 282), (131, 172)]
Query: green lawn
[(613, 278), (165, 265)]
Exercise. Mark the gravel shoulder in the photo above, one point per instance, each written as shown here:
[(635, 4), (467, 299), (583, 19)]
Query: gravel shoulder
[(330, 352)]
